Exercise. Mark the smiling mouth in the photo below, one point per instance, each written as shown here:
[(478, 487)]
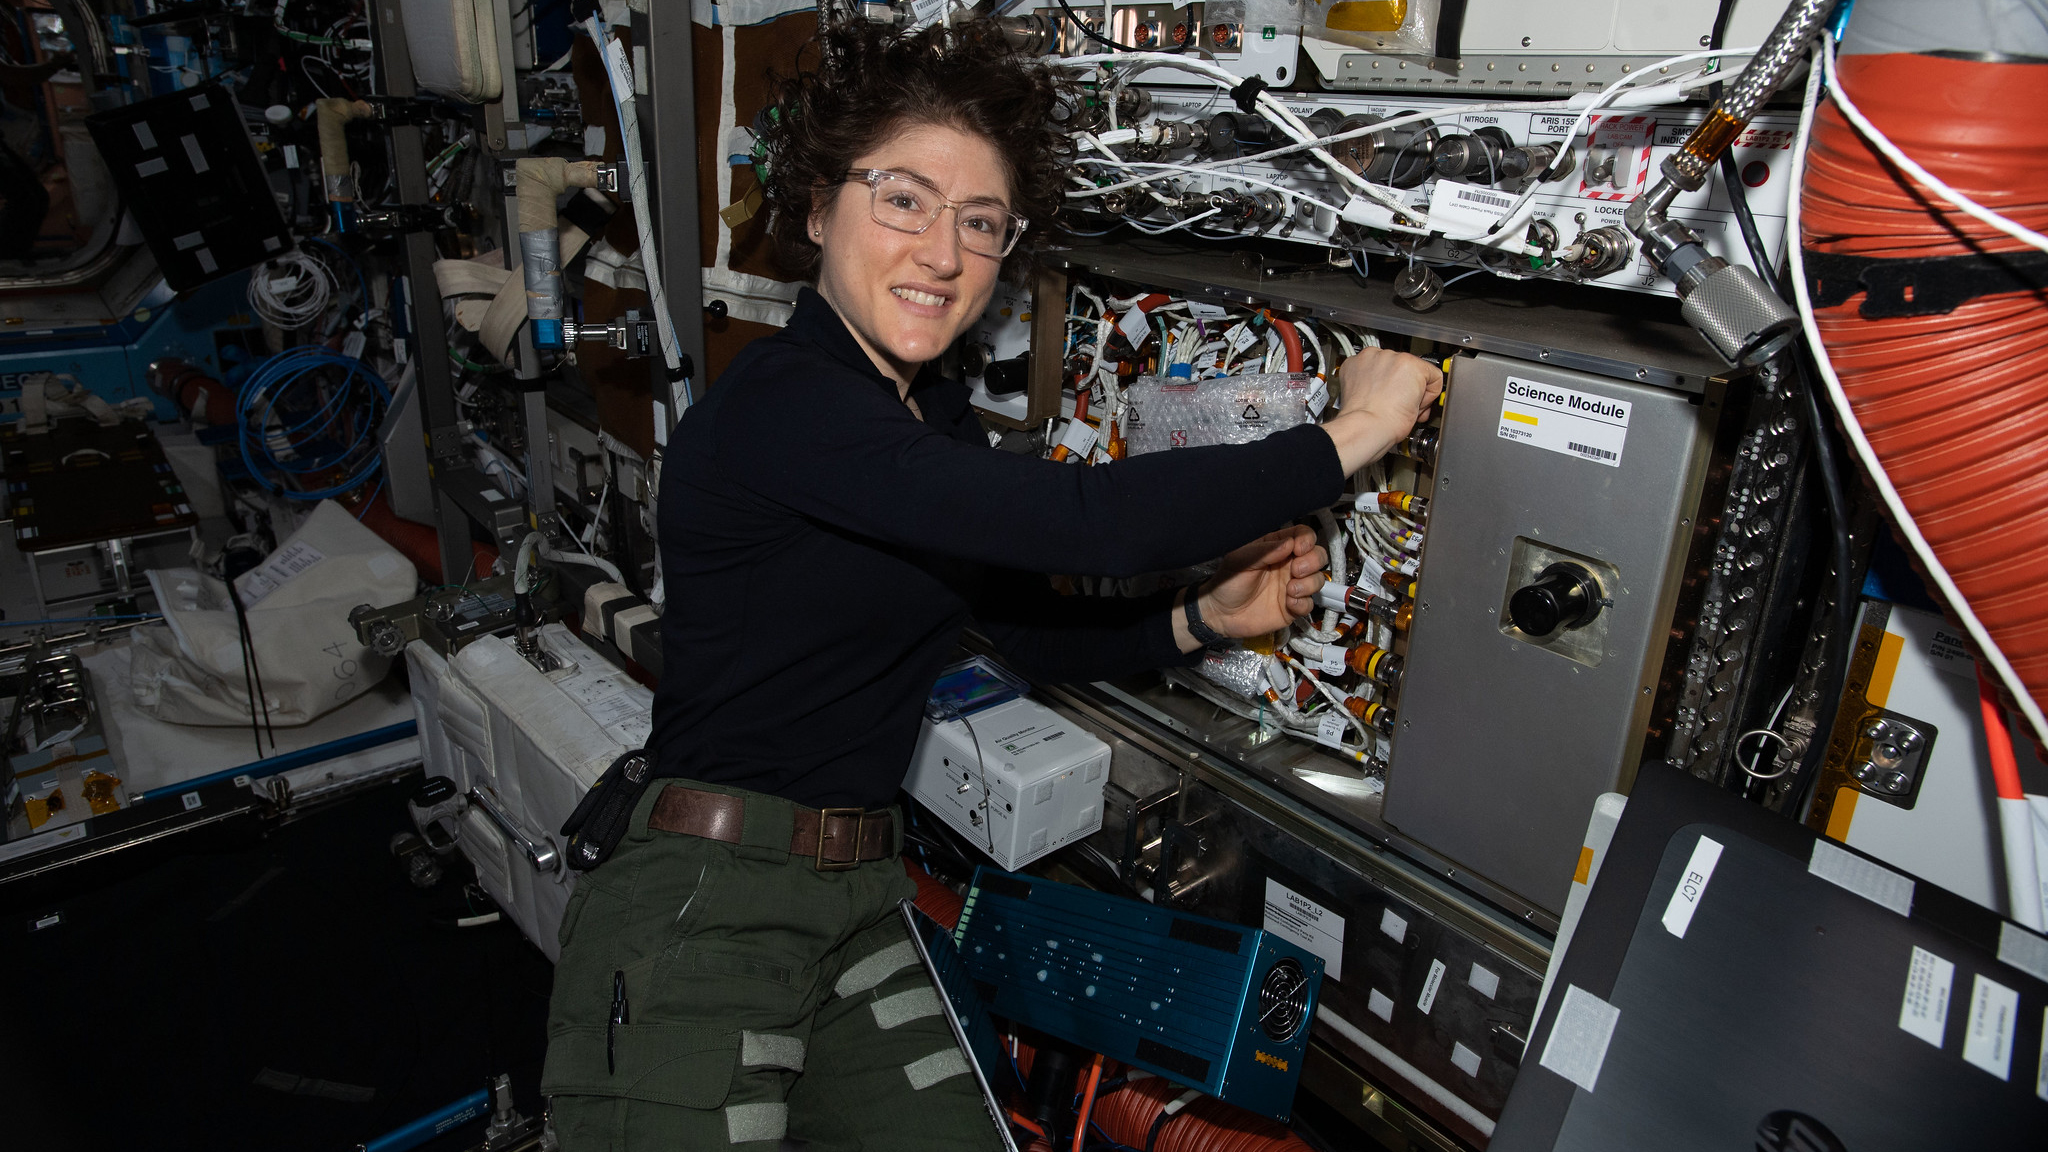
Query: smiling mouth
[(916, 297)]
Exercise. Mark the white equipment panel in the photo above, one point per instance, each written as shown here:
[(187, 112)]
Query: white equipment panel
[(1033, 785)]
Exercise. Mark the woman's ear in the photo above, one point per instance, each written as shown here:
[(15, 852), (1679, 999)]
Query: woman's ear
[(814, 226)]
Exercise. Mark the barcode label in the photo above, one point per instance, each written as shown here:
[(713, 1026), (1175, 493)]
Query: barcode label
[(1595, 453), (1466, 209), (1473, 195)]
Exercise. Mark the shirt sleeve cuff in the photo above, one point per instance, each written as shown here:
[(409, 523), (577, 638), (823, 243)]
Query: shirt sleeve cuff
[(1158, 645)]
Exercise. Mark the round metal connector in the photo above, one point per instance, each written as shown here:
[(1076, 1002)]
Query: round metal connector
[(1743, 319)]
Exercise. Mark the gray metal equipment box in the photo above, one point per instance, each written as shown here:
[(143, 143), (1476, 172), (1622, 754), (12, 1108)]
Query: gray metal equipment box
[(1506, 738)]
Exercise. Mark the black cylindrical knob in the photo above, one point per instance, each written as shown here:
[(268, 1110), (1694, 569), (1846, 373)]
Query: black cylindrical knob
[(1563, 596)]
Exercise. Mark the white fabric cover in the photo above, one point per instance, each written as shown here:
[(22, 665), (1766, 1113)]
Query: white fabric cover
[(454, 48), (489, 719), (188, 670)]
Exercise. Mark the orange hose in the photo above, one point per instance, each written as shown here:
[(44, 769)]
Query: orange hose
[(1087, 1103), (1954, 405), (2005, 767), (933, 898), (1289, 339)]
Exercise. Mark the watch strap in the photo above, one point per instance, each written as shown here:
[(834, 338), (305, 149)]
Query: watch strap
[(1206, 636)]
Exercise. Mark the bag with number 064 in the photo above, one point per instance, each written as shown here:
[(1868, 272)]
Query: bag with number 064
[(188, 669)]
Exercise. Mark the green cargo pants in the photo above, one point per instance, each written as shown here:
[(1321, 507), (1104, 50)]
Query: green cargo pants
[(764, 999)]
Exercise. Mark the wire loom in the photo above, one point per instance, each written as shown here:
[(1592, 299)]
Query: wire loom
[(300, 425)]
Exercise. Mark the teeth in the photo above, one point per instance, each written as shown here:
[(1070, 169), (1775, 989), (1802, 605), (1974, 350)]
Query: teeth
[(916, 297)]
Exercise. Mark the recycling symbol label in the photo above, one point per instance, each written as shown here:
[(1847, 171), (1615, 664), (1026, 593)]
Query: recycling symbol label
[(1250, 415)]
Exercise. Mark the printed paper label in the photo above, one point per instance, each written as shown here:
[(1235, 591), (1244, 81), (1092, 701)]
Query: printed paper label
[(1080, 438), (2041, 1068), (1564, 420), (1332, 663), (1435, 981), (275, 572), (1924, 1011), (1692, 885), (1318, 398), (1295, 917), (1987, 1042), (1466, 208), (1330, 729), (1136, 327)]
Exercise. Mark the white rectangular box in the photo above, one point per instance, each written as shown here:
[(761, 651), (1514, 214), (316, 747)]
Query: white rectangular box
[(1035, 784)]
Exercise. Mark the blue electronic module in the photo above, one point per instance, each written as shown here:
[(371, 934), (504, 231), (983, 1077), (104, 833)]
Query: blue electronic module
[(1213, 1005)]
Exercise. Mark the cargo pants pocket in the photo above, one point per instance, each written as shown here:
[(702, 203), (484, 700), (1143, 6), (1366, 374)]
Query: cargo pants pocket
[(634, 1087)]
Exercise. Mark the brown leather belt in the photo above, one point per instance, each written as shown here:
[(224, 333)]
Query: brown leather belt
[(834, 839)]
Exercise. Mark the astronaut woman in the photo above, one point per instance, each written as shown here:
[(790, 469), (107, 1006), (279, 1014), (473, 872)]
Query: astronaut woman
[(832, 516)]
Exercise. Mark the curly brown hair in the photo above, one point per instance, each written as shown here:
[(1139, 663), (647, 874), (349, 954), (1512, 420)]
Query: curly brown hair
[(873, 81)]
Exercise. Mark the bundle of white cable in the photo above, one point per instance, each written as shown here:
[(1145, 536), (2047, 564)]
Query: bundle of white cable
[(292, 291), (1624, 93)]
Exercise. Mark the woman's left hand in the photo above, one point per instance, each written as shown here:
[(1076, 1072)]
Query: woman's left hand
[(1261, 587)]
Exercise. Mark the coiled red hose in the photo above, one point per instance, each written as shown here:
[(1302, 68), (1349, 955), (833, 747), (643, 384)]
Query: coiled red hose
[(1955, 405), (1205, 1125), (933, 898)]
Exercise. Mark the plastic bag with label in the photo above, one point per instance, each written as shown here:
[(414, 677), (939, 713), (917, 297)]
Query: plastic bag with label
[(1398, 27)]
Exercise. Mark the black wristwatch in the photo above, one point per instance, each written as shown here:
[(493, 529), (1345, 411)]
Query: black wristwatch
[(1204, 635)]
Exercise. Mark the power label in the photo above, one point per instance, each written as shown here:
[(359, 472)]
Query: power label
[(1581, 424)]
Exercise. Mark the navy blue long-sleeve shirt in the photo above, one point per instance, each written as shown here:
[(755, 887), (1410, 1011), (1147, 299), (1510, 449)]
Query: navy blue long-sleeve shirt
[(822, 549)]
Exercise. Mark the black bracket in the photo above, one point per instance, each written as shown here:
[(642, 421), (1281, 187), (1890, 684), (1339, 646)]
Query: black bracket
[(396, 110), (402, 218)]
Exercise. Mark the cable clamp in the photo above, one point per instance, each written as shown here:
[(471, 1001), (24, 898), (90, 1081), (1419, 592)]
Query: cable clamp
[(392, 111), (400, 218), (1246, 95)]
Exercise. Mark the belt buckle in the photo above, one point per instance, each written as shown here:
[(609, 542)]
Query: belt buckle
[(825, 815)]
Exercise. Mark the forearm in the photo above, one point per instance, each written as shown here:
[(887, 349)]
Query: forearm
[(1364, 436)]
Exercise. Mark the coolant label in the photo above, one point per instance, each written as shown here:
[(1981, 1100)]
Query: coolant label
[(1574, 423)]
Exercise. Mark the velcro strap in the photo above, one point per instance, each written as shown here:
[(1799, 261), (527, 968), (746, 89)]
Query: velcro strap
[(1920, 285)]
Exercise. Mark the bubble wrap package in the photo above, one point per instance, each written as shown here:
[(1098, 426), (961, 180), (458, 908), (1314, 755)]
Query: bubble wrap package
[(1166, 412)]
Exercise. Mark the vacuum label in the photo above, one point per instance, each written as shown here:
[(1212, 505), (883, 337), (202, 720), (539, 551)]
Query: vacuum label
[(1574, 423)]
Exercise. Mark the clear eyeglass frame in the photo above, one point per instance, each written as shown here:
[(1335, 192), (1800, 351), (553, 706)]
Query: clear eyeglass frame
[(985, 229)]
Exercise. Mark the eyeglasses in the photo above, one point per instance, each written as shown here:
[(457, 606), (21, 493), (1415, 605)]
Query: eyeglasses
[(907, 204)]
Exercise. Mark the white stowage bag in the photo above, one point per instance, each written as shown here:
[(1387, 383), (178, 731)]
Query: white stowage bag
[(189, 669)]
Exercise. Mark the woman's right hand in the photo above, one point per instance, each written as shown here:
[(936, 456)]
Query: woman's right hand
[(1382, 396)]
